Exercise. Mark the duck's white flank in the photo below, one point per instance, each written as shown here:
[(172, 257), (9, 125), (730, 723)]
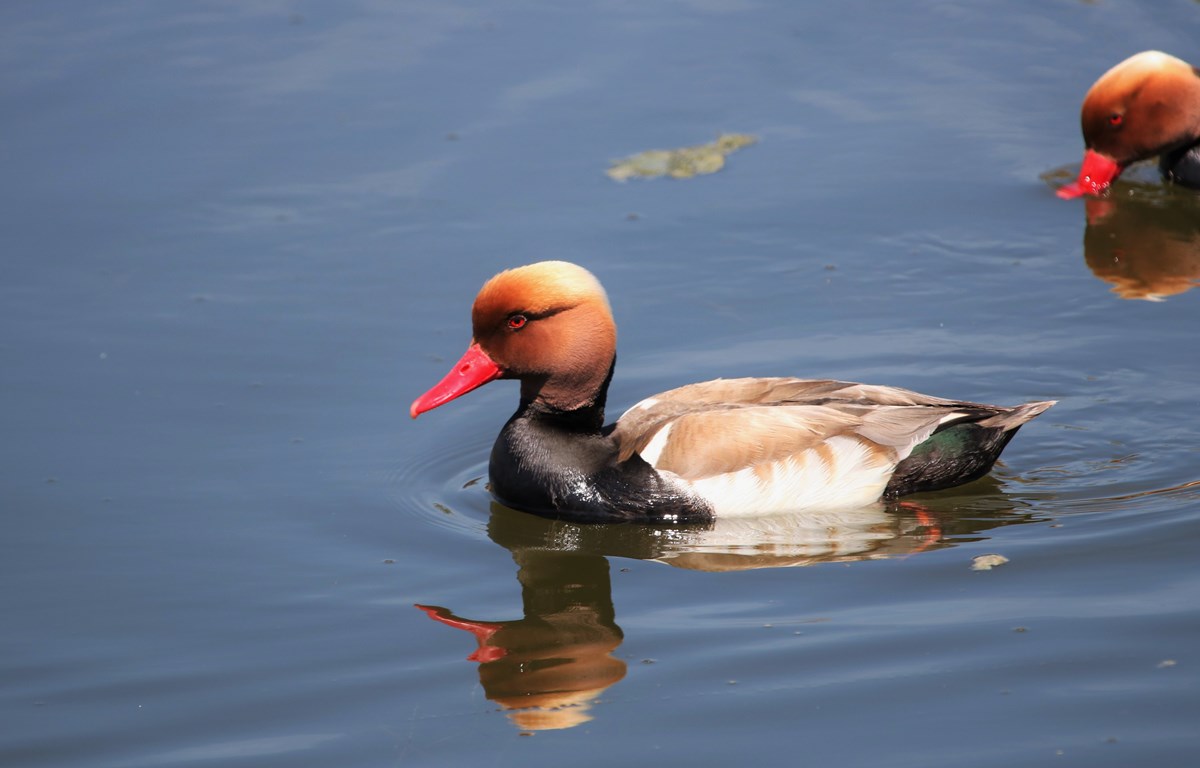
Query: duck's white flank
[(843, 473)]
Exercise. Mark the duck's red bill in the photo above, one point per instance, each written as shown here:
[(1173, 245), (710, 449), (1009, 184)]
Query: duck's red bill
[(471, 372), (1097, 173)]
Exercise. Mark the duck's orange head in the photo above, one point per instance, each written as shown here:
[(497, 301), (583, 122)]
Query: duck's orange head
[(548, 324)]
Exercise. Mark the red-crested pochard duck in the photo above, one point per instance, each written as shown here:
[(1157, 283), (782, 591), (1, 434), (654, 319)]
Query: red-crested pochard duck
[(1146, 106), (726, 447)]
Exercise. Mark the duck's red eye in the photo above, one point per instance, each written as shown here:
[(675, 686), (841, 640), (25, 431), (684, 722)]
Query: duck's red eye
[(1115, 118), (517, 322)]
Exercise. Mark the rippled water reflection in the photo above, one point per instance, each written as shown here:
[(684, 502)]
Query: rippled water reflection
[(549, 667)]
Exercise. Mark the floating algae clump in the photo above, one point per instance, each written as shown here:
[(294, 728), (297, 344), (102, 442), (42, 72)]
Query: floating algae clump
[(988, 562), (681, 163)]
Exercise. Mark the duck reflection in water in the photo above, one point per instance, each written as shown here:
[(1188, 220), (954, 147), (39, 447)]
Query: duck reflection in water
[(1146, 244), (548, 669)]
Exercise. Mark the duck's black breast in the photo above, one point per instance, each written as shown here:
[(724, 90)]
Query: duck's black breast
[(1182, 166), (561, 465)]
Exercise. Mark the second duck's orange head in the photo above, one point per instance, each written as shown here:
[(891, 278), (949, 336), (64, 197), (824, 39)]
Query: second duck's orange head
[(1144, 106)]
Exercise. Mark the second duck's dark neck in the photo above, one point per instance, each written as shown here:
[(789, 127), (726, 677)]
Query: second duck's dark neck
[(1182, 166)]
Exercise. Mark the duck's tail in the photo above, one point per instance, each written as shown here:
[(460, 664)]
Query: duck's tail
[(960, 452), (1014, 417)]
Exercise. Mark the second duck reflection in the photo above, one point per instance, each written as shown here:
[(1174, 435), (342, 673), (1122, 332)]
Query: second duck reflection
[(549, 667), (1146, 242)]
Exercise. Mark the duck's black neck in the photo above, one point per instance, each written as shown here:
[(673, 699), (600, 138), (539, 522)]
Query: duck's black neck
[(587, 419), (564, 463)]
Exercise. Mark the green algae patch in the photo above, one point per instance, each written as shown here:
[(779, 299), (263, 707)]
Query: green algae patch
[(683, 163)]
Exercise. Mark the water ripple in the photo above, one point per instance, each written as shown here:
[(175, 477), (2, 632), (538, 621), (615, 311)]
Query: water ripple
[(446, 485)]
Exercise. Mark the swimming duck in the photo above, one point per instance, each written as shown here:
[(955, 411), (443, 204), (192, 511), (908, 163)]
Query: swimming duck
[(1147, 105), (726, 447)]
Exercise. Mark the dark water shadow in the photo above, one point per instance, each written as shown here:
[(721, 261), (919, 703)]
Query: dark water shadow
[(548, 668)]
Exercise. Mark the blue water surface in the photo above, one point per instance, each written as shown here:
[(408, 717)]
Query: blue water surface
[(239, 238)]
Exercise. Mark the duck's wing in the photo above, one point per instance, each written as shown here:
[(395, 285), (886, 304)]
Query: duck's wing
[(728, 425), (723, 426)]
